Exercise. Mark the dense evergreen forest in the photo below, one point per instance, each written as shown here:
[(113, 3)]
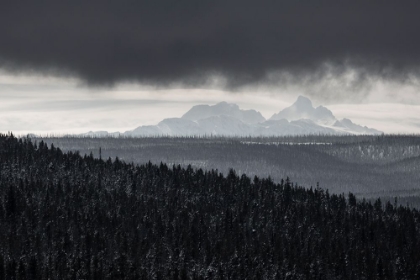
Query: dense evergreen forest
[(68, 216), (385, 166)]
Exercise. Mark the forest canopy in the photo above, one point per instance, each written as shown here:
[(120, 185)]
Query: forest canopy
[(67, 216)]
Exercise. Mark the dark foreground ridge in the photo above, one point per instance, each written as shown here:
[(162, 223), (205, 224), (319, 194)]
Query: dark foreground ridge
[(63, 216)]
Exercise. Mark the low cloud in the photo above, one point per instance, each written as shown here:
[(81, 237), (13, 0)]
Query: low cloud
[(215, 44)]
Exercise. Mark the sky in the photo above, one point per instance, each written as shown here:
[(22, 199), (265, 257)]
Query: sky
[(76, 66)]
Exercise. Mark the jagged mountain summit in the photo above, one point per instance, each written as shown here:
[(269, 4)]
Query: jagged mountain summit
[(303, 109), (227, 119)]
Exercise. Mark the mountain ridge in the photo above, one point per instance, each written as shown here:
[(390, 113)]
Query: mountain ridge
[(227, 119), (198, 112)]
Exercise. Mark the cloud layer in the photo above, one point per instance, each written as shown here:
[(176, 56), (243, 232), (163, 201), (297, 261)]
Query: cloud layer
[(197, 43), (39, 105)]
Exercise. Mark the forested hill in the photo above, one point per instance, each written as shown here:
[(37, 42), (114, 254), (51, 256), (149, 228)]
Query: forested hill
[(64, 216), (387, 166)]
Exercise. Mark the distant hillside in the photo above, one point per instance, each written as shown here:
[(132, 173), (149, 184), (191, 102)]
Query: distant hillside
[(368, 165)]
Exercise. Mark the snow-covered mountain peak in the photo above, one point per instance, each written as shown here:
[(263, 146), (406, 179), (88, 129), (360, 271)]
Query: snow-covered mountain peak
[(199, 112), (228, 119), (303, 103), (303, 109), (224, 105), (346, 121)]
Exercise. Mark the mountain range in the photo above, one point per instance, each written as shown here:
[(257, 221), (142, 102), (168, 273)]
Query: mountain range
[(227, 119)]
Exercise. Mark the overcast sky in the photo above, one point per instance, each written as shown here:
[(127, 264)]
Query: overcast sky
[(75, 66)]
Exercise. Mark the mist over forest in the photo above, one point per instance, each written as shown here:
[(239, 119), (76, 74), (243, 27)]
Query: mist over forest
[(385, 166)]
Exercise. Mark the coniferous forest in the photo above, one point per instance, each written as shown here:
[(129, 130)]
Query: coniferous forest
[(371, 167), (67, 216)]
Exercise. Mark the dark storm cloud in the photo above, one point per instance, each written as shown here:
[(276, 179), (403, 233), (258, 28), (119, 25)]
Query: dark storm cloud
[(162, 42)]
